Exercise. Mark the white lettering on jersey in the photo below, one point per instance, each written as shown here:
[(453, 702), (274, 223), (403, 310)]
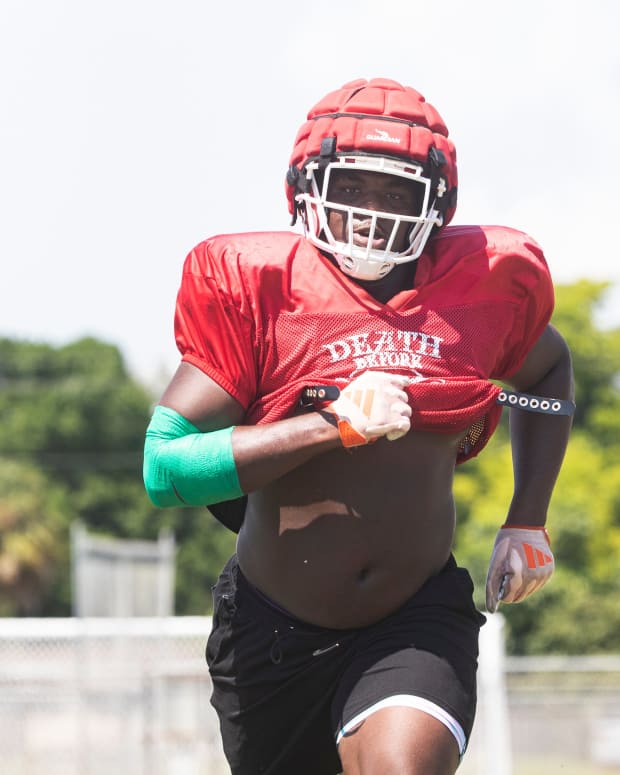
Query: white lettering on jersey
[(387, 349)]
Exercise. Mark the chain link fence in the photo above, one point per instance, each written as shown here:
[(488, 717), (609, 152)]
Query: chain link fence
[(101, 696), (131, 697)]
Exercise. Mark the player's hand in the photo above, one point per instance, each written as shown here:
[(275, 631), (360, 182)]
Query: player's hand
[(374, 404), (521, 563)]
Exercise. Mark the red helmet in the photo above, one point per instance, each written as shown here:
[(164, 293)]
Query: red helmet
[(382, 126)]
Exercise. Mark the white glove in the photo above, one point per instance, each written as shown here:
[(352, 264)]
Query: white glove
[(372, 405), (521, 563)]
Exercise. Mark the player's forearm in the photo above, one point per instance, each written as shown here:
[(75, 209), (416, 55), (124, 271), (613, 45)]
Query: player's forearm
[(538, 447), (264, 453), (184, 466), (372, 406)]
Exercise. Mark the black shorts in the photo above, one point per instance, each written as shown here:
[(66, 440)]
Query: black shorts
[(283, 689)]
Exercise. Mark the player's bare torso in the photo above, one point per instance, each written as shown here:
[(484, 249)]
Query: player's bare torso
[(348, 537)]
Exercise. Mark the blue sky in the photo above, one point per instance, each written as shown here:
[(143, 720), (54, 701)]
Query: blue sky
[(131, 130)]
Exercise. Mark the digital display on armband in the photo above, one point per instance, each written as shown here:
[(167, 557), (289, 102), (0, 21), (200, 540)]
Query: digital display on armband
[(312, 395)]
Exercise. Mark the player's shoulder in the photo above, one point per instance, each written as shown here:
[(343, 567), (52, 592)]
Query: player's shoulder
[(491, 244), (259, 265), (496, 255), (248, 250)]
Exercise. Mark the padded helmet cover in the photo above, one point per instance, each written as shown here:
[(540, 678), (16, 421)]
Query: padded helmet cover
[(379, 117)]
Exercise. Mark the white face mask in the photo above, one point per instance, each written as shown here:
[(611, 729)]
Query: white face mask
[(375, 253)]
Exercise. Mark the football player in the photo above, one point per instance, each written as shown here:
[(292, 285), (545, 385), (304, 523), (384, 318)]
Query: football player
[(331, 379)]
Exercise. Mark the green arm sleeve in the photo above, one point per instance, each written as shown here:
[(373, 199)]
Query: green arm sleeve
[(185, 467)]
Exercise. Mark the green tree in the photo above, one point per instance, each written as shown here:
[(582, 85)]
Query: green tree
[(596, 358), (579, 609), (35, 514), (73, 416)]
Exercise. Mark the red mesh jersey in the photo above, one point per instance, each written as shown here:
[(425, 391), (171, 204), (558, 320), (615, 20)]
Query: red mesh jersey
[(265, 314)]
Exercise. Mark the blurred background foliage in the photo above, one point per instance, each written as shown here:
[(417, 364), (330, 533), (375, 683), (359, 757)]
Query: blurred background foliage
[(71, 436)]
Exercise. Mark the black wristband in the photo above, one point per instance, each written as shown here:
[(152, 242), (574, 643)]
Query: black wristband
[(312, 395)]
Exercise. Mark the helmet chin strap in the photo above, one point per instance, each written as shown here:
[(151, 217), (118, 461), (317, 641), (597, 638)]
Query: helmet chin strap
[(363, 269)]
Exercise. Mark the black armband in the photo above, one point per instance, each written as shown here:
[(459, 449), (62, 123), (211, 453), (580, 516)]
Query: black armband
[(536, 403)]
